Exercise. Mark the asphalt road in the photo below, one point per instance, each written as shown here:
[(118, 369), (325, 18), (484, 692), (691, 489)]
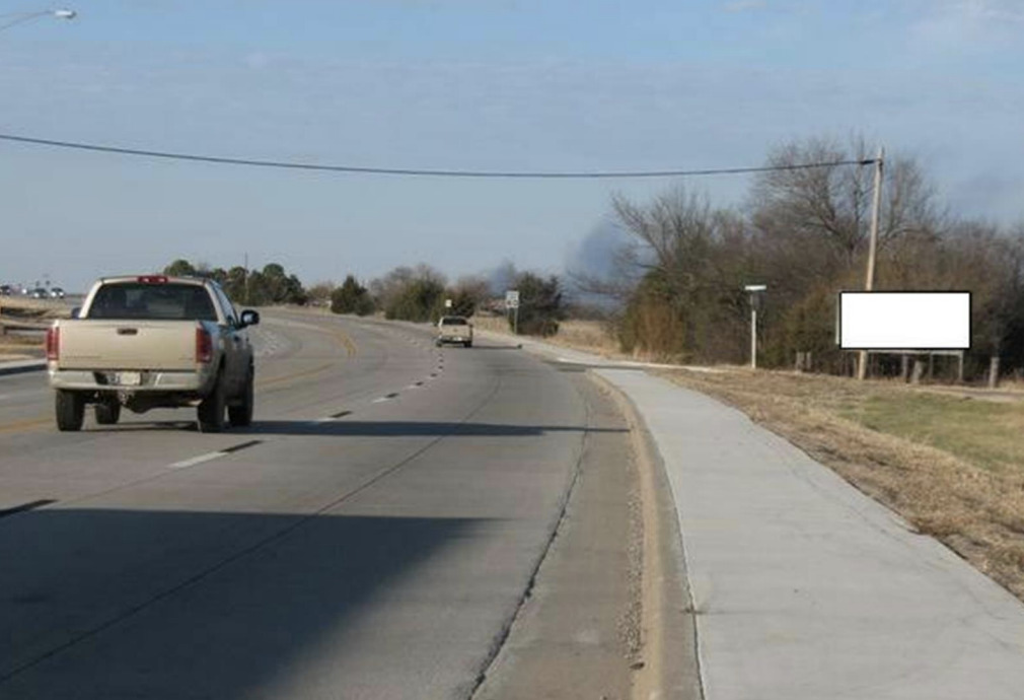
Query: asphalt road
[(372, 536)]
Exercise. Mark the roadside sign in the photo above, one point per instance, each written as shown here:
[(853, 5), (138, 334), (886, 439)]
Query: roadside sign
[(447, 303), (512, 299)]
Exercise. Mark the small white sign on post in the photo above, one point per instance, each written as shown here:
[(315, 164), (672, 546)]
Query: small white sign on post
[(512, 299), (447, 303)]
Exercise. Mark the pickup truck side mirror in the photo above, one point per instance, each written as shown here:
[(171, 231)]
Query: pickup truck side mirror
[(76, 312), (250, 318)]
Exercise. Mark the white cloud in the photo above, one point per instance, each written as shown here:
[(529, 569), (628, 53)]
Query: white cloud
[(965, 23)]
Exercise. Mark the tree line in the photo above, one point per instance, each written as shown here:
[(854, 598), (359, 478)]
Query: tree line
[(271, 285), (678, 283), (409, 293), (419, 293)]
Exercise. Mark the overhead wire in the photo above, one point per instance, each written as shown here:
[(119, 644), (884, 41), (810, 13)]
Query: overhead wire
[(417, 172)]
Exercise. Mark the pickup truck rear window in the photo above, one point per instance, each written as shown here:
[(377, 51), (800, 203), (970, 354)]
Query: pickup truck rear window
[(158, 302), (453, 321)]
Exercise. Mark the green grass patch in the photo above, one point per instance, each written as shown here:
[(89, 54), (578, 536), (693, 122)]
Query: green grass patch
[(985, 433)]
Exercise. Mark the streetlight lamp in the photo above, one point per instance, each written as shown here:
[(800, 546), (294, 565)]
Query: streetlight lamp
[(16, 18), (754, 290)]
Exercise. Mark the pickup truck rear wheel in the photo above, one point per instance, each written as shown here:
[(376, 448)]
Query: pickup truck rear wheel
[(211, 410), (70, 409), (240, 416), (108, 413)]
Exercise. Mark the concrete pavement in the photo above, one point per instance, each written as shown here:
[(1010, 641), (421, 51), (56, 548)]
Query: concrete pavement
[(803, 587), (371, 536)]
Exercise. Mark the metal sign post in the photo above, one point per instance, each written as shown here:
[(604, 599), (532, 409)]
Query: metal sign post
[(754, 290), (512, 302)]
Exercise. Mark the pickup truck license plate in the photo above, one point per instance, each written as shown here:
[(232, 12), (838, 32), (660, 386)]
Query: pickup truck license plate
[(129, 378)]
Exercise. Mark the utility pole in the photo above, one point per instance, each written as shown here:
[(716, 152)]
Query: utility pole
[(869, 282)]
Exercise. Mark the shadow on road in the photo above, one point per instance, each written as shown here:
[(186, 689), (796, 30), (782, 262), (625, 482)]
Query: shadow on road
[(149, 604)]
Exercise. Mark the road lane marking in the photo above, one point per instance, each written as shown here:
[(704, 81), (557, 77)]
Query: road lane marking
[(31, 505), (25, 425), (333, 417), (288, 377), (199, 459), (241, 446)]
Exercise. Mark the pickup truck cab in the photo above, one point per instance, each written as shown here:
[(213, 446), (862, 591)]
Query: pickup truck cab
[(153, 341), (454, 329)]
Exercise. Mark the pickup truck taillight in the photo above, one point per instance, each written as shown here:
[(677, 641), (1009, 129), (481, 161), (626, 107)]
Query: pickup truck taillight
[(53, 343), (204, 346)]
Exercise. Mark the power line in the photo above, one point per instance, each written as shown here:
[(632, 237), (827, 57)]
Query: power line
[(415, 172)]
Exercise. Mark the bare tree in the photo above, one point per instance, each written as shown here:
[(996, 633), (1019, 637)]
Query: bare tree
[(830, 205)]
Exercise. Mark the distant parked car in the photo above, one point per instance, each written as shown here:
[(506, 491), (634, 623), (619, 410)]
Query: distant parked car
[(57, 293), (40, 293), (6, 290)]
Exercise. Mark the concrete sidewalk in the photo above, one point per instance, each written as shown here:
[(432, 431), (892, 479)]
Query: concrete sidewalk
[(805, 589)]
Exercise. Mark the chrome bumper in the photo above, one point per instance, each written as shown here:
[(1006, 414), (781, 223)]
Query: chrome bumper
[(152, 382)]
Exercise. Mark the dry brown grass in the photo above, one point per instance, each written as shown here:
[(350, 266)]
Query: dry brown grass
[(17, 310), (953, 467), (588, 336)]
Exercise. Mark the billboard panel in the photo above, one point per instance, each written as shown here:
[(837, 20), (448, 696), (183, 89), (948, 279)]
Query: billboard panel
[(905, 320)]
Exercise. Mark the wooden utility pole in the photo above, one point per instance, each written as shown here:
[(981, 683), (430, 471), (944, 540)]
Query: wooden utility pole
[(869, 283)]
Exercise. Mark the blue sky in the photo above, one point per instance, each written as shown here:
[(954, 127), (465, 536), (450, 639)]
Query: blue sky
[(479, 84)]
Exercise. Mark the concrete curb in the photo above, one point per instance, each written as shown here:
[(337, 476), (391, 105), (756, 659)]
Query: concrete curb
[(8, 368), (668, 628)]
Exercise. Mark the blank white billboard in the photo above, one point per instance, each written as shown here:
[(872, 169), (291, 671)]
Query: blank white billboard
[(905, 320)]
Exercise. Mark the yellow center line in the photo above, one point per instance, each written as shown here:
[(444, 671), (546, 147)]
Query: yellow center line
[(25, 425), (296, 375), (339, 336)]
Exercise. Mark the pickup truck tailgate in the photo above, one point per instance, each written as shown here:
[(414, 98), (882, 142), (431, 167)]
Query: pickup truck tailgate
[(127, 345)]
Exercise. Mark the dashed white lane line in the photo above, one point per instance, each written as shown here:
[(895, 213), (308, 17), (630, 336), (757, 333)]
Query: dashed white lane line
[(333, 417), (197, 460), (209, 456)]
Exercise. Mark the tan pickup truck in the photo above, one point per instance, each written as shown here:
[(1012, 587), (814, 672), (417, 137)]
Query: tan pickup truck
[(454, 329), (153, 341)]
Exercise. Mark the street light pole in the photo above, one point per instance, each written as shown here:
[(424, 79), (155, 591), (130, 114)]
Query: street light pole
[(869, 282)]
